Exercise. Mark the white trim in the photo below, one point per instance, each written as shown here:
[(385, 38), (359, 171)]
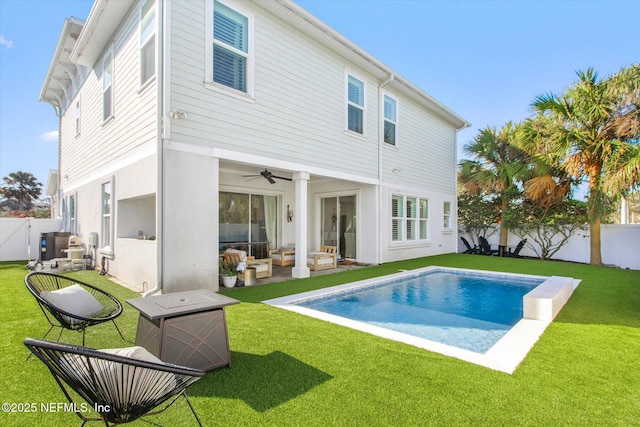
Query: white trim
[(108, 54)]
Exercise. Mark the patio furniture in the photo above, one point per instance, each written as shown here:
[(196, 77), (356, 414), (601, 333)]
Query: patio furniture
[(121, 385), (264, 267), (518, 248), (469, 249), (283, 256), (323, 259), (185, 328), (485, 247), (68, 303)]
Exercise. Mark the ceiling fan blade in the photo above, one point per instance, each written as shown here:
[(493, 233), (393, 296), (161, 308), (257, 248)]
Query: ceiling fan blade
[(282, 177)]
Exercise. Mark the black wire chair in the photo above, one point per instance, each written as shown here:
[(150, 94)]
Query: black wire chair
[(120, 389), (44, 285)]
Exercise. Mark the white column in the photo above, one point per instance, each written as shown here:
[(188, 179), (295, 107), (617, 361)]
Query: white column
[(624, 211), (300, 180)]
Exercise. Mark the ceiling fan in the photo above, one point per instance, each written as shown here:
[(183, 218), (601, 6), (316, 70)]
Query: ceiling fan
[(268, 176)]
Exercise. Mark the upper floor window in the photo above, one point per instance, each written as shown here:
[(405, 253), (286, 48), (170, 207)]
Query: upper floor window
[(447, 215), (355, 104), (409, 218), (231, 47), (390, 119), (107, 88), (147, 41)]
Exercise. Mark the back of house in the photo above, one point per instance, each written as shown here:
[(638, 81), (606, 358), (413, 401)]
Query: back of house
[(191, 127)]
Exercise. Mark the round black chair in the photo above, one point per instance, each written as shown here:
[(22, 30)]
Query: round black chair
[(68, 303)]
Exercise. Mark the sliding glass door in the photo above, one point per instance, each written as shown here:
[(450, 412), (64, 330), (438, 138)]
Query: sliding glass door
[(338, 224), (248, 222)]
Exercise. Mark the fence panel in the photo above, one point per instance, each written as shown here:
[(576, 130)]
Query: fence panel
[(620, 246), (20, 237)]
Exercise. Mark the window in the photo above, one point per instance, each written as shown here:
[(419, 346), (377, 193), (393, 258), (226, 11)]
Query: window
[(107, 88), (447, 215), (106, 214), (355, 104), (77, 118), (249, 220), (72, 214), (397, 218), (390, 119), (409, 218), (147, 41), (231, 47)]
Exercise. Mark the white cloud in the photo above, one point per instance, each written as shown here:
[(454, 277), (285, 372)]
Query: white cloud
[(50, 136), (6, 43)]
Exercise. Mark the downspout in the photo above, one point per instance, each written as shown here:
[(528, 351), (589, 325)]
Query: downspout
[(160, 135), (380, 146)]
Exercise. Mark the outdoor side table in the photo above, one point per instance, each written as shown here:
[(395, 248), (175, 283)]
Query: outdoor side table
[(185, 328)]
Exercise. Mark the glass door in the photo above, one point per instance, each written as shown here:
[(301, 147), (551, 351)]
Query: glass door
[(338, 224)]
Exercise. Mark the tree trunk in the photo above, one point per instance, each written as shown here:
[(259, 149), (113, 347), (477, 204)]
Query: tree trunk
[(594, 232), (504, 230)]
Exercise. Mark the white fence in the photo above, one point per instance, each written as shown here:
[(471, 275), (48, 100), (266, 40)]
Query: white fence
[(620, 246), (20, 237)]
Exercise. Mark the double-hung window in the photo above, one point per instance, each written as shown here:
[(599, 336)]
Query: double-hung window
[(147, 41), (107, 87), (409, 218), (107, 203), (390, 119), (355, 104), (447, 215), (231, 47)]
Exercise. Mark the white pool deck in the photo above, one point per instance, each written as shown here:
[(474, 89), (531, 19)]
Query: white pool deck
[(540, 306)]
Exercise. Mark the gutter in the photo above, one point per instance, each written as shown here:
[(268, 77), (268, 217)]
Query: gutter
[(380, 148)]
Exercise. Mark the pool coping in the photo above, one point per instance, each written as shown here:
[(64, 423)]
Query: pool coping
[(543, 302)]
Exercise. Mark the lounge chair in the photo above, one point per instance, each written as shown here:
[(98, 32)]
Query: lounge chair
[(485, 247), (120, 385), (264, 267), (469, 249), (68, 303), (323, 259), (516, 251), (283, 256)]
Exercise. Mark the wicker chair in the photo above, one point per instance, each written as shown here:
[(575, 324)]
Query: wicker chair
[(120, 389), (71, 304)]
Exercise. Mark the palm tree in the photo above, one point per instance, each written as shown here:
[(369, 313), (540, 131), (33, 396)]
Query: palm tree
[(22, 187), (498, 168), (592, 131)]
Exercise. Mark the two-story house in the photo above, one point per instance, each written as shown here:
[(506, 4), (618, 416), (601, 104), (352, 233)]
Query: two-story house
[(187, 126)]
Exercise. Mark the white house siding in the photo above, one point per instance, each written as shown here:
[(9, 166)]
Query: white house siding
[(123, 149), (299, 104), (133, 128), (424, 153)]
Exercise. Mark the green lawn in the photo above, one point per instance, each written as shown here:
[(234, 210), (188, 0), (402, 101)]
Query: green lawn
[(289, 369)]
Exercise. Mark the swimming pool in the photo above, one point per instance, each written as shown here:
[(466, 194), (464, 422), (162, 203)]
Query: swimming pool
[(473, 315)]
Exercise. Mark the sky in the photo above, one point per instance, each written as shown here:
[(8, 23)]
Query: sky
[(485, 60)]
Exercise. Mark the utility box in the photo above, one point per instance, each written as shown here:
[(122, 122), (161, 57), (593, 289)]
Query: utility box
[(53, 245)]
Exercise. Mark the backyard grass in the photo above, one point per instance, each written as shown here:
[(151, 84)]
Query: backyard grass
[(289, 369)]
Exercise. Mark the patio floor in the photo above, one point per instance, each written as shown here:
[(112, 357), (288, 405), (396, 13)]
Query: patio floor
[(280, 274)]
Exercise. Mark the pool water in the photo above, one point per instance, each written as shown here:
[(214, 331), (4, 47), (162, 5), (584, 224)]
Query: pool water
[(471, 311)]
